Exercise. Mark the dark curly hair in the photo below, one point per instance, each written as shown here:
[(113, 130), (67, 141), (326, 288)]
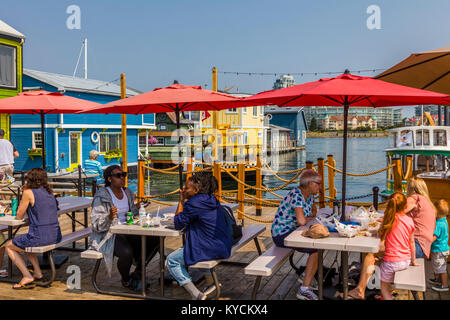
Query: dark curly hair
[(108, 173), (36, 178), (205, 182)]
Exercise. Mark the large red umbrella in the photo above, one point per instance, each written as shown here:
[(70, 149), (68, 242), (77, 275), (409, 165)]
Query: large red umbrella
[(43, 102), (174, 98), (347, 90)]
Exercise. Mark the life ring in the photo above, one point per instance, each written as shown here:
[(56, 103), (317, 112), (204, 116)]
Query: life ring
[(95, 137)]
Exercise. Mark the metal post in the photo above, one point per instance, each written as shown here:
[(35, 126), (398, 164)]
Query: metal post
[(439, 116), (344, 157), (375, 197), (320, 170), (180, 167), (124, 128), (43, 139), (80, 192)]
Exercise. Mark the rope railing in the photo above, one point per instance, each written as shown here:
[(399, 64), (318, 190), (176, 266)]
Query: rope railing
[(359, 174), (163, 195)]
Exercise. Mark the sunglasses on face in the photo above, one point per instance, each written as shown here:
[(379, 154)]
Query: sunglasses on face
[(119, 175), (319, 183)]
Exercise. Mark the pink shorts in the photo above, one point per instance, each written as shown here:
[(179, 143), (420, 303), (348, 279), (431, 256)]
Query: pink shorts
[(389, 268)]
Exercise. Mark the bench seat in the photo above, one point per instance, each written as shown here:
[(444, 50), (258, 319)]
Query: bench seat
[(412, 278), (248, 234), (69, 238), (269, 262), (91, 254)]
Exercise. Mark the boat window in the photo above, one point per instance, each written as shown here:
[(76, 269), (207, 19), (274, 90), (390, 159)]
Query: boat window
[(393, 140), (440, 138), (422, 136)]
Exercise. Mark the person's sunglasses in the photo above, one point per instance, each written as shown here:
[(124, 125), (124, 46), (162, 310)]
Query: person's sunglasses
[(119, 175), (319, 183)]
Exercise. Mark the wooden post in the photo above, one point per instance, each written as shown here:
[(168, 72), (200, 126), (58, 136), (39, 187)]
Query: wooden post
[(189, 167), (217, 171), (258, 185), (241, 187), (397, 175), (331, 174), (141, 178), (123, 95), (320, 170)]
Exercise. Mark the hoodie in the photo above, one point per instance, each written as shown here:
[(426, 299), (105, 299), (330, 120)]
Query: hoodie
[(207, 235)]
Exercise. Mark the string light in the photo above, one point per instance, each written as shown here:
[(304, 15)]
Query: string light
[(297, 73)]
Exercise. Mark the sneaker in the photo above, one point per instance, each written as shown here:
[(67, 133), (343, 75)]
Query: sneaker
[(439, 288), (307, 294), (313, 285), (434, 282)]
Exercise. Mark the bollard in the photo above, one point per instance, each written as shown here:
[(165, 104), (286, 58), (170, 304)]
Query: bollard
[(217, 171), (331, 175), (141, 182), (375, 197)]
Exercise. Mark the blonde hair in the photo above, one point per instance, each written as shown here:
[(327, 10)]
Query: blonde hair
[(441, 208), (396, 203), (418, 186)]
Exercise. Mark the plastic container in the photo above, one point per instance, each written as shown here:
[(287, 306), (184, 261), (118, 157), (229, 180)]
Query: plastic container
[(142, 216), (349, 223)]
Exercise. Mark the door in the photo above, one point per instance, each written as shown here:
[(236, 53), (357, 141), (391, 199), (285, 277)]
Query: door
[(75, 150)]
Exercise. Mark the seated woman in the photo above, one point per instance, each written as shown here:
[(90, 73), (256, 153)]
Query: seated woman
[(110, 205), (207, 233), (422, 211), (295, 210), (93, 166), (41, 207)]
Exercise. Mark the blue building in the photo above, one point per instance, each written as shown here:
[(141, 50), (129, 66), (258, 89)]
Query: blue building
[(289, 117), (70, 137)]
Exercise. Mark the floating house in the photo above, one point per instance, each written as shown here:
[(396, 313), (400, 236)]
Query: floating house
[(70, 137), (292, 118), (11, 44)]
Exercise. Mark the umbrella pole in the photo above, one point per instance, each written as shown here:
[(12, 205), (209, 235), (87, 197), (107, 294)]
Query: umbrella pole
[(43, 139), (344, 158), (180, 168)]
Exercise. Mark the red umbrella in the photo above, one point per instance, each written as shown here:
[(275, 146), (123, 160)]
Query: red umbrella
[(347, 90), (174, 98), (43, 102)]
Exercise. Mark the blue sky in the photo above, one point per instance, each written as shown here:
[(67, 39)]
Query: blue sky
[(155, 42)]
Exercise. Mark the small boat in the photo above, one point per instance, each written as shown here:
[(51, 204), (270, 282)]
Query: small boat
[(429, 147)]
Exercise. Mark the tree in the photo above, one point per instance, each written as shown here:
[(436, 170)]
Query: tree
[(313, 124)]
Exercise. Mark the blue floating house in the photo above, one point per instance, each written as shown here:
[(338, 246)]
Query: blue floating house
[(289, 117), (70, 137)]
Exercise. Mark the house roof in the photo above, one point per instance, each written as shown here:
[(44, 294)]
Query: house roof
[(272, 126), (7, 30), (69, 83)]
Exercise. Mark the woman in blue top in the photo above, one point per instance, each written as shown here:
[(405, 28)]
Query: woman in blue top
[(41, 207), (206, 230), (295, 210)]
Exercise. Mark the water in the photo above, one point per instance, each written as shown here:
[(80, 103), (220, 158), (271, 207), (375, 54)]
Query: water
[(363, 155)]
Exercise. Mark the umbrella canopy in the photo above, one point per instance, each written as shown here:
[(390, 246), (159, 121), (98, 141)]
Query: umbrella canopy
[(43, 102), (174, 98), (429, 70), (347, 90)]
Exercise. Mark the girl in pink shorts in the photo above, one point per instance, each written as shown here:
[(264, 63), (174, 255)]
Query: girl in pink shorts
[(397, 233)]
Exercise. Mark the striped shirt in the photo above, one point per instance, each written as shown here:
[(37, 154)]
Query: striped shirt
[(93, 167)]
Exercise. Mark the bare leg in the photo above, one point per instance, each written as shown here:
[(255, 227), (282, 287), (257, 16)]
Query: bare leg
[(386, 290), (366, 271), (34, 261), (311, 268), (444, 281), (14, 255)]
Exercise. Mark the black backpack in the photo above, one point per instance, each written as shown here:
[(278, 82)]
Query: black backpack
[(234, 229)]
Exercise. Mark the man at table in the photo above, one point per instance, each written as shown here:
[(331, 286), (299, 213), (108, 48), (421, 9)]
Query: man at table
[(295, 210)]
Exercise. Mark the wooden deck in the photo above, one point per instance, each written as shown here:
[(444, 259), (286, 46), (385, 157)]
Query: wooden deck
[(236, 285)]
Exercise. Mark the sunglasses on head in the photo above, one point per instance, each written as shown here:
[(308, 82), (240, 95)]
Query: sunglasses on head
[(119, 175)]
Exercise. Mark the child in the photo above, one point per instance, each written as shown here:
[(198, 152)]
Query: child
[(41, 207), (207, 233), (396, 231), (439, 248)]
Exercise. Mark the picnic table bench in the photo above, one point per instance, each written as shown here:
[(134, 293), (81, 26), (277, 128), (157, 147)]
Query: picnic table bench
[(412, 278)]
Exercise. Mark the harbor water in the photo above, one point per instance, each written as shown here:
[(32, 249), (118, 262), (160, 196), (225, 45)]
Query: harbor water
[(363, 155)]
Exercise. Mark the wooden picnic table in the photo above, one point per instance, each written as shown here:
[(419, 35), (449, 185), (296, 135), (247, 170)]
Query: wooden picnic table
[(77, 178), (66, 205), (361, 244)]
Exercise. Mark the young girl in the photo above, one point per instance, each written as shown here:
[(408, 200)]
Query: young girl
[(396, 231), (207, 233), (41, 207)]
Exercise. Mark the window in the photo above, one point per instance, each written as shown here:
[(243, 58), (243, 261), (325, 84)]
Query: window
[(160, 141), (141, 141), (37, 140), (440, 138), (255, 111), (162, 127), (245, 137), (7, 66), (260, 134), (232, 110), (422, 135), (261, 110), (171, 141), (110, 141), (244, 110), (192, 115)]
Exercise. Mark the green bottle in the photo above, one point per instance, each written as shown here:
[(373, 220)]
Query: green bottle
[(130, 218)]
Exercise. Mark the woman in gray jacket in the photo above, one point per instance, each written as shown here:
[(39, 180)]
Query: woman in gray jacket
[(109, 207)]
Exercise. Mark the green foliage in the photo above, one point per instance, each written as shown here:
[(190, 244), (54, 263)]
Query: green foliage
[(313, 125)]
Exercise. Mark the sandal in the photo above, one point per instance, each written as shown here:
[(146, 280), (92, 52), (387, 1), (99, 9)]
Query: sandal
[(24, 286), (41, 282), (350, 296)]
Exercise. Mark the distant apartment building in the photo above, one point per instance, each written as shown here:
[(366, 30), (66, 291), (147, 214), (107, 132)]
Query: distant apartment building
[(354, 122), (385, 117), (284, 82), (433, 110)]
